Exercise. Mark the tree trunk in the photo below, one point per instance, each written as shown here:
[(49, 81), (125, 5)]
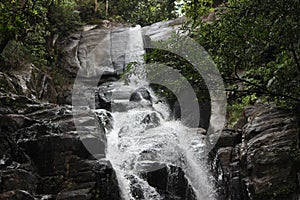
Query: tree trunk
[(295, 57), (22, 4), (96, 6), (106, 9)]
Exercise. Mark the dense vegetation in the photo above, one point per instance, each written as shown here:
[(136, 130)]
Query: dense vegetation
[(255, 44), (29, 29)]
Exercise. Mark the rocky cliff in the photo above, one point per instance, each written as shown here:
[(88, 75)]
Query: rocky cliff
[(43, 154), (260, 159)]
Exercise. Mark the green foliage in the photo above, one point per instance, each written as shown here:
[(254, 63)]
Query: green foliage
[(34, 26), (22, 32), (89, 12), (28, 29), (255, 44), (163, 59), (143, 12), (18, 20), (63, 17)]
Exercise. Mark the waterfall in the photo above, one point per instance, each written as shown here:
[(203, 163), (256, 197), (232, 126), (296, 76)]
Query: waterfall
[(154, 156), (144, 140), (132, 148)]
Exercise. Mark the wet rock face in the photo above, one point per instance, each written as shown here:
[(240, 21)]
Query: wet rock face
[(43, 157), (170, 182), (43, 154), (102, 51), (263, 162), (187, 109), (113, 96), (162, 30), (28, 81), (151, 120), (140, 94), (103, 96)]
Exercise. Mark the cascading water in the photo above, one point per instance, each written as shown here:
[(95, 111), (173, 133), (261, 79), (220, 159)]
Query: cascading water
[(144, 140)]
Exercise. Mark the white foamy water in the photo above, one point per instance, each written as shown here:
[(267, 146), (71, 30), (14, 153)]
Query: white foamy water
[(136, 146), (144, 139)]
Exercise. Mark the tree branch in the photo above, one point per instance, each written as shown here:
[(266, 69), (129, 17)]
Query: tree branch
[(295, 56), (261, 90)]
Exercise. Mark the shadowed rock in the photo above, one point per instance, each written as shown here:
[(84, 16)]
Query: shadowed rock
[(263, 164)]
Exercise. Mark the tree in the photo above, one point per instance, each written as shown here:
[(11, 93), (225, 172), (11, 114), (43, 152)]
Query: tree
[(62, 18), (18, 19), (255, 44), (143, 12), (33, 27)]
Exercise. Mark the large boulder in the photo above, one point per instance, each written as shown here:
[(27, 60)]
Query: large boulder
[(170, 181), (140, 94), (117, 97)]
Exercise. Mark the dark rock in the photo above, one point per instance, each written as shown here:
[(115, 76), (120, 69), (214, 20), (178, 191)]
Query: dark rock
[(176, 110), (105, 119), (28, 81), (16, 103), (50, 184), (135, 188), (151, 120), (262, 162), (11, 154), (139, 94), (64, 96), (224, 156), (46, 89), (105, 181), (16, 195), (17, 179), (170, 182), (13, 122), (158, 179), (119, 98), (104, 97), (9, 84), (82, 194), (50, 153), (189, 111), (136, 97), (95, 146), (43, 152), (229, 138)]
